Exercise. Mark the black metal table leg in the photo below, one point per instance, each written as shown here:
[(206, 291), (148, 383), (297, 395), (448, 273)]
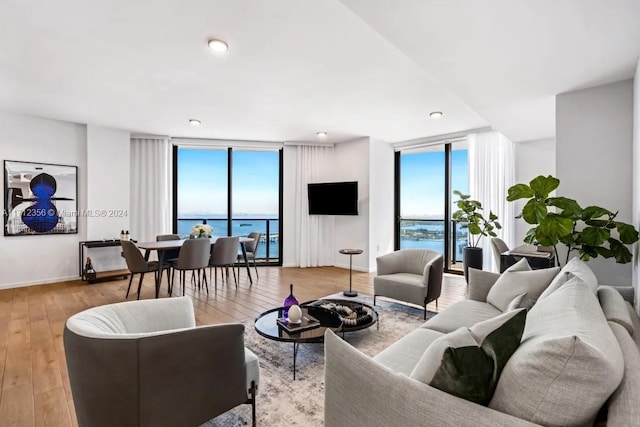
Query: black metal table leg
[(295, 355)]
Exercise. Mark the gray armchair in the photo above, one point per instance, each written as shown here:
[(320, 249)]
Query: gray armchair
[(144, 363), (410, 275)]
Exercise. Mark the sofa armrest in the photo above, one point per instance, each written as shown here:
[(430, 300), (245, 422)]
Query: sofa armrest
[(627, 292), (360, 392), (480, 282)]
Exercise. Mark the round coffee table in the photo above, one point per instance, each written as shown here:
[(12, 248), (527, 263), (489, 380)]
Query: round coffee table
[(266, 325)]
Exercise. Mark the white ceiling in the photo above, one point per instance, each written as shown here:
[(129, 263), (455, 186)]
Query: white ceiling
[(370, 68)]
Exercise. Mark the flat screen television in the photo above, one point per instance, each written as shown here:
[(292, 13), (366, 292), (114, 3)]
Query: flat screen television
[(333, 198)]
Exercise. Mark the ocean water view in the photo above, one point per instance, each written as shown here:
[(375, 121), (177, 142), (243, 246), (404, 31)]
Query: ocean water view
[(240, 226), (414, 234)]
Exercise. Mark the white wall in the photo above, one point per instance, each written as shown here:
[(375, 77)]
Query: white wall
[(108, 184), (636, 179), (594, 135), (26, 260), (381, 199), (351, 163), (532, 158)]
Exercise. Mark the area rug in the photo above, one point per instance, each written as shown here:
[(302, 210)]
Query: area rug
[(285, 402)]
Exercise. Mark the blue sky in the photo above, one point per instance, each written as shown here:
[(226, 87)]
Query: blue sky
[(202, 182), (422, 182)]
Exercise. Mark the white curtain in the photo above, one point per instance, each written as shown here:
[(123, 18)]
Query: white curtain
[(151, 194), (491, 173), (313, 233)]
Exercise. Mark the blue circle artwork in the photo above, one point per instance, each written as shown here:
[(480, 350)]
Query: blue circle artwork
[(42, 216)]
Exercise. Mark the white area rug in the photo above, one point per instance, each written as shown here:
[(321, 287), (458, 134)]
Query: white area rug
[(285, 402)]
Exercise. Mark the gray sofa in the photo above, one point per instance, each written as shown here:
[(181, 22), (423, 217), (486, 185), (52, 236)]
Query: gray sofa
[(578, 364)]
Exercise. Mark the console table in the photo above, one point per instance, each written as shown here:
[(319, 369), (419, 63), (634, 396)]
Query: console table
[(537, 259), (98, 275)]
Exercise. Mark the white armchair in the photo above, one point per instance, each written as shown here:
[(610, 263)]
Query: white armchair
[(145, 363), (410, 275)]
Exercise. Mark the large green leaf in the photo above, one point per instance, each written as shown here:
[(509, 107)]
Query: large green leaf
[(594, 212), (534, 211), (530, 237), (555, 226), (598, 223), (519, 191), (604, 252), (544, 185), (620, 251), (568, 206), (628, 234), (474, 229), (594, 236)]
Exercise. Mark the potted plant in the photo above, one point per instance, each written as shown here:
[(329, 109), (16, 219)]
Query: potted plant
[(591, 231), (469, 215)]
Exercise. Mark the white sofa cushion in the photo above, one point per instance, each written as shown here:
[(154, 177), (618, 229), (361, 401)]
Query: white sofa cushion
[(574, 268), (465, 313), (403, 355), (568, 364), (517, 279)]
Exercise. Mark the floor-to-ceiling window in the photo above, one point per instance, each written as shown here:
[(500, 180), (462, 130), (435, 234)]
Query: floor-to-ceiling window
[(235, 191), (426, 178)]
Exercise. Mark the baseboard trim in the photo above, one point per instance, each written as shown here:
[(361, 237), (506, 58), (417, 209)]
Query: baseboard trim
[(44, 282)]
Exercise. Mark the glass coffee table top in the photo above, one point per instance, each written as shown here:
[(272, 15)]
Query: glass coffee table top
[(266, 325)]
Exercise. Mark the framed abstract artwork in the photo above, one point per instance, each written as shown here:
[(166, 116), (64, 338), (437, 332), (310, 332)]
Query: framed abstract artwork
[(40, 198)]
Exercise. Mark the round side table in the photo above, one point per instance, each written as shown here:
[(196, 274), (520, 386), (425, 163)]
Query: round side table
[(351, 253)]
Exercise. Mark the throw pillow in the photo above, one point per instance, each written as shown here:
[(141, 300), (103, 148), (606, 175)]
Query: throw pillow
[(516, 280), (516, 303), (568, 364), (467, 362), (574, 268)]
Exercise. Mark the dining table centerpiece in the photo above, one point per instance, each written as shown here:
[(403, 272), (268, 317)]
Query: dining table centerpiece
[(200, 231)]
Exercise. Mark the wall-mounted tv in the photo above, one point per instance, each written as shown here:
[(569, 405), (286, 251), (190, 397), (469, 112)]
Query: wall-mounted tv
[(333, 198)]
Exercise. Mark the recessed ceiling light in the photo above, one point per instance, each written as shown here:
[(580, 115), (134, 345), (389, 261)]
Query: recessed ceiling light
[(322, 134), (435, 114), (218, 46), (194, 122)]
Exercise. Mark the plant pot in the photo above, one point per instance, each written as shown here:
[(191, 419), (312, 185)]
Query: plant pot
[(471, 257)]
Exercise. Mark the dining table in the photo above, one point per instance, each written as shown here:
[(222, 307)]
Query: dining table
[(164, 246)]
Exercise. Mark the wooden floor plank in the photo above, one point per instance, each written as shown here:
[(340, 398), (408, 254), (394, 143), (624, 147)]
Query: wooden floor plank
[(45, 370), (16, 407), (51, 409)]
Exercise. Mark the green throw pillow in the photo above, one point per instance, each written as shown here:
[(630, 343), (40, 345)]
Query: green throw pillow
[(468, 361)]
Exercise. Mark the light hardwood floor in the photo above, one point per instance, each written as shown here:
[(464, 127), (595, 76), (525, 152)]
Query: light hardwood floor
[(35, 386)]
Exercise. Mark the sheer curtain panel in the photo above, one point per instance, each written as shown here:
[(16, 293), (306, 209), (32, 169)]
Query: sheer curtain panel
[(491, 173), (150, 188), (313, 233)]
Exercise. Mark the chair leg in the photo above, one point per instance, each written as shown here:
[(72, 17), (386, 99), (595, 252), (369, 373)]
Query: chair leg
[(425, 311), (255, 266), (129, 288), (173, 277), (253, 403), (140, 284), (204, 279), (168, 281), (184, 279), (235, 280), (374, 299)]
